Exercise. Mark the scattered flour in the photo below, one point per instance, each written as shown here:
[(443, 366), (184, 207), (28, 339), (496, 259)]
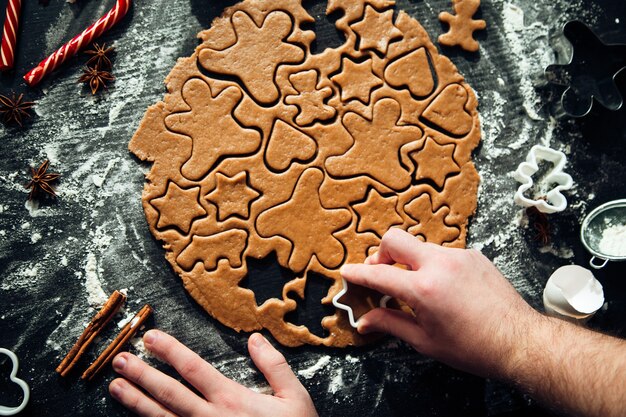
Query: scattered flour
[(561, 252), (98, 180), (96, 296), (336, 382), (35, 237), (24, 277), (492, 123), (532, 58), (128, 316), (352, 359), (613, 241), (263, 389), (140, 349), (310, 372)]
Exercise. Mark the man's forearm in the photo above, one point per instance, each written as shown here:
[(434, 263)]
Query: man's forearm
[(569, 368)]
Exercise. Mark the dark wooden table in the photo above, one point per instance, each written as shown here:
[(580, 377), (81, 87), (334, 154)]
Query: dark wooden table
[(54, 257)]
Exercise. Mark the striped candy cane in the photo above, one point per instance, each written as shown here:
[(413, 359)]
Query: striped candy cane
[(9, 34), (77, 43)]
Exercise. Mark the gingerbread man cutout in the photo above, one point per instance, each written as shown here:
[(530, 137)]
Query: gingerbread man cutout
[(462, 26)]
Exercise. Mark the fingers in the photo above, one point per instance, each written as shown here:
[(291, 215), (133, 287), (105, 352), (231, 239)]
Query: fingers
[(165, 389), (274, 367), (135, 400), (386, 279), (187, 363), (394, 322), (398, 246)]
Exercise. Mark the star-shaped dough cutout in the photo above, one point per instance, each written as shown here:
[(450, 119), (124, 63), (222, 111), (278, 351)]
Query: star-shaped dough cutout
[(243, 60), (307, 224), (376, 147), (356, 80), (201, 123), (435, 162), (179, 207), (310, 100), (377, 213), (353, 10), (376, 30), (431, 226), (232, 196)]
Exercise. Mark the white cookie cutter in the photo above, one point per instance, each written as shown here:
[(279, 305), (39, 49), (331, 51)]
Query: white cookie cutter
[(555, 201), (354, 323), (9, 411)]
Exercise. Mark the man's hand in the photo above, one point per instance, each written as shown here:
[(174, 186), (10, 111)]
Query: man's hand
[(466, 313), (166, 397)]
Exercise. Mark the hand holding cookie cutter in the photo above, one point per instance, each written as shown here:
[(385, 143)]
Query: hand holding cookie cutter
[(555, 201), (9, 411), (354, 323)]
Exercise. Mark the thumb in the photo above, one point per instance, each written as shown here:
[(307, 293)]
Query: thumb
[(394, 322), (274, 367)]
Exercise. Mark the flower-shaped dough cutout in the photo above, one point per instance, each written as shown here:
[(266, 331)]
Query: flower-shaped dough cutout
[(6, 410), (301, 161)]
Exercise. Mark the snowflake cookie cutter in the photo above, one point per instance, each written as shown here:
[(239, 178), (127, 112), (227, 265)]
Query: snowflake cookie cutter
[(353, 322), (10, 411), (587, 68), (554, 200)]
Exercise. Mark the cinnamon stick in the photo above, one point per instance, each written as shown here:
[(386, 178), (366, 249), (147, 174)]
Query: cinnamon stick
[(106, 313), (118, 343)]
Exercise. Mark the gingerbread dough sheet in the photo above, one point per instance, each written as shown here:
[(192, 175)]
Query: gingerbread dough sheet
[(261, 149)]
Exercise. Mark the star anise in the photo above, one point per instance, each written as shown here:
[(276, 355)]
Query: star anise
[(41, 181), (14, 110), (99, 56), (96, 78)]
